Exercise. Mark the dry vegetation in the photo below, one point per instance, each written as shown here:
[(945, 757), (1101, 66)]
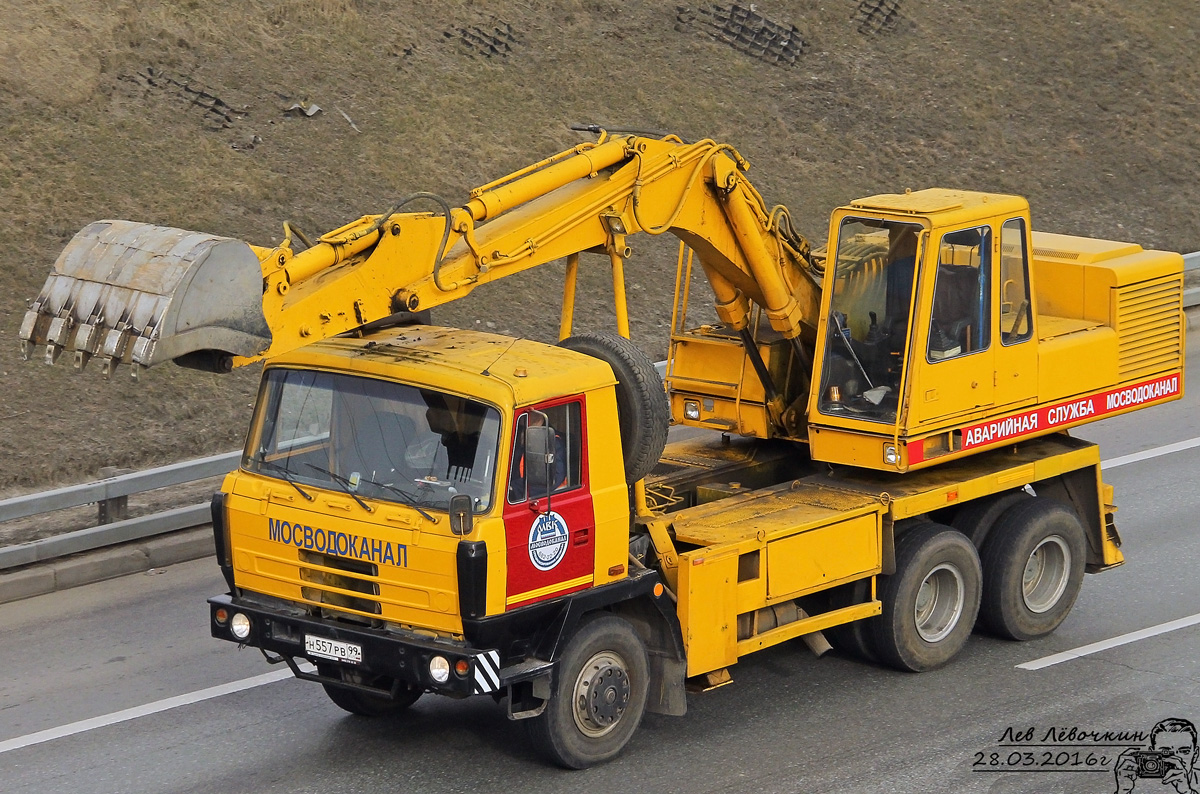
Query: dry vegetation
[(173, 112)]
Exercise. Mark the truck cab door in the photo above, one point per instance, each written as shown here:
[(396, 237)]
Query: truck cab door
[(956, 357), (550, 539)]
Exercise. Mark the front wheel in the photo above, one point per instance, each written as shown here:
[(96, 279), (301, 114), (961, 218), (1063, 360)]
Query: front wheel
[(930, 602), (598, 696)]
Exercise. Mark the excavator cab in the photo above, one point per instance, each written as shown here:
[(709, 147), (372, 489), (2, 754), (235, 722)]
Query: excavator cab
[(947, 327), (923, 306)]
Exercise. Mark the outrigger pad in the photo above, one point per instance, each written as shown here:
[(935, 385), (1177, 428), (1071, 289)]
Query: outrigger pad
[(133, 292)]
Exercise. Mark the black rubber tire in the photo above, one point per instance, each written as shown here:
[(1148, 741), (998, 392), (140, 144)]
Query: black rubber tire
[(642, 408), (930, 550), (1024, 528), (600, 639), (364, 704), (853, 639), (976, 519)]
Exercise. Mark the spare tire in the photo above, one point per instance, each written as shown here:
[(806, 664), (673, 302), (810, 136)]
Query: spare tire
[(642, 408)]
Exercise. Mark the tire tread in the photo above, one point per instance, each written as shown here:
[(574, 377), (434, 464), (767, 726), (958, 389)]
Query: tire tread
[(642, 407)]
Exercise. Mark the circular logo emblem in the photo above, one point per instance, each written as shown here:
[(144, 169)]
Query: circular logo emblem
[(548, 541)]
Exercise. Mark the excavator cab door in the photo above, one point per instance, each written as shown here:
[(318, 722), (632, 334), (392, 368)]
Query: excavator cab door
[(954, 358)]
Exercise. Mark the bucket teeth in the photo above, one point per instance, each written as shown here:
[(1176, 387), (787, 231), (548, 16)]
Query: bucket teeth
[(143, 348), (60, 331), (33, 330), (88, 337), (116, 341)]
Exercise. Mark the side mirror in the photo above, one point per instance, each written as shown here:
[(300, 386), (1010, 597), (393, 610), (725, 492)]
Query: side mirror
[(539, 460), (462, 512)]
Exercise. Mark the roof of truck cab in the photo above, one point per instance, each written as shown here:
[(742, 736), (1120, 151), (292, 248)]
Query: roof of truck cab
[(945, 207), (491, 367)]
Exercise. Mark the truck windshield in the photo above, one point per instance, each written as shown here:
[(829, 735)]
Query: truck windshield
[(876, 265), (375, 439)]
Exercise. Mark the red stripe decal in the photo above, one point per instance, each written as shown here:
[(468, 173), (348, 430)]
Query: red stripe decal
[(916, 451)]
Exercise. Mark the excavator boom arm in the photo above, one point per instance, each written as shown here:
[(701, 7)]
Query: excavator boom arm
[(130, 292)]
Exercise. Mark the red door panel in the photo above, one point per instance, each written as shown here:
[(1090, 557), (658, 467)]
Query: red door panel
[(552, 553)]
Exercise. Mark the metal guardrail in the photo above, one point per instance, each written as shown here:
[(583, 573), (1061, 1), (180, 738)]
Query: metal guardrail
[(107, 491), (1191, 297)]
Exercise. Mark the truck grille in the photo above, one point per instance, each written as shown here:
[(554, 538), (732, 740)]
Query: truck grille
[(1149, 327), (334, 574)]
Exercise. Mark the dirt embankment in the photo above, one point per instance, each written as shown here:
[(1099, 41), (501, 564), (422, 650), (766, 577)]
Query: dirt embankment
[(176, 113)]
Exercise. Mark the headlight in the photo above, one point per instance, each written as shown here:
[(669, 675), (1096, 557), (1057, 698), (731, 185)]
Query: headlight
[(239, 626), (691, 409), (889, 455), (439, 669)]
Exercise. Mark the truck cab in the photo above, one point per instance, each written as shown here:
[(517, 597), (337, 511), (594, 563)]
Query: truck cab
[(360, 451)]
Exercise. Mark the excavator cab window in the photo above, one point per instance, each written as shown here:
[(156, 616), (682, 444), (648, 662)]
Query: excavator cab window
[(374, 439), (1016, 310), (960, 321), (876, 266)]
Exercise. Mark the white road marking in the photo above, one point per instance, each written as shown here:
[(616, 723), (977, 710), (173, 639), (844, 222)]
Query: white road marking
[(1150, 453), (150, 708), (1103, 645)]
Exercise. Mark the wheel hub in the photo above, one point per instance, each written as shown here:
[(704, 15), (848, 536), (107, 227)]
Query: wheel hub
[(1047, 570), (939, 602), (601, 694)]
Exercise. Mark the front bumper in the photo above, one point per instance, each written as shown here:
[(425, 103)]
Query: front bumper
[(398, 655)]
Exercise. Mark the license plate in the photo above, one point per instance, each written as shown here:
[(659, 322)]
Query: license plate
[(333, 649)]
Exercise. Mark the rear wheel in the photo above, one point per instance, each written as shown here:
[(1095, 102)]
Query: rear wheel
[(598, 696), (852, 638), (930, 602), (363, 703), (1032, 569)]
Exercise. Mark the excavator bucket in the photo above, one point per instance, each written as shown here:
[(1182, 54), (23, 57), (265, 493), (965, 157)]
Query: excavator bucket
[(142, 294)]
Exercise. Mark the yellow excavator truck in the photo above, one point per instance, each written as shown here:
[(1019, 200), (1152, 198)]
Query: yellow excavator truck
[(878, 449)]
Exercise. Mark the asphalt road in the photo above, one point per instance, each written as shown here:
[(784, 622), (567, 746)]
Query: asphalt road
[(789, 723)]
